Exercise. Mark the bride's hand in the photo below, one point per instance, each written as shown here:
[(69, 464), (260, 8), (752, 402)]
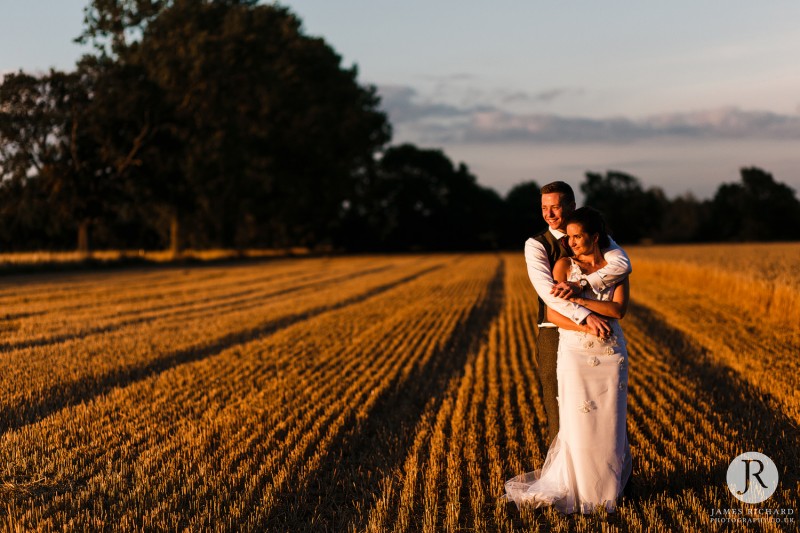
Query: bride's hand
[(597, 326)]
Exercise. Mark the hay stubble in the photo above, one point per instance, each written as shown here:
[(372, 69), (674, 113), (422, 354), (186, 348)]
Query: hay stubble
[(377, 393)]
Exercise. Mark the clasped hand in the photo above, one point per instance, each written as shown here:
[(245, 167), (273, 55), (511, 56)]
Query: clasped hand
[(566, 289), (595, 325)]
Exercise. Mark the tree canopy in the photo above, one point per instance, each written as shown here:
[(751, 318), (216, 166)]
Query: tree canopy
[(221, 115), (631, 212), (221, 123), (757, 209), (418, 199)]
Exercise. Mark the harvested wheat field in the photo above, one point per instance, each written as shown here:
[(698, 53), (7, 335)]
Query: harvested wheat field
[(377, 393)]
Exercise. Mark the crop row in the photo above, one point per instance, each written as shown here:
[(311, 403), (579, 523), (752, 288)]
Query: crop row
[(370, 393), (489, 427), (231, 436), (98, 352), (756, 342)]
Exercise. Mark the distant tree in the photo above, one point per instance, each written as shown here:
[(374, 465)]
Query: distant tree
[(77, 142), (522, 214), (30, 126), (26, 223), (47, 143), (758, 208), (417, 199), (683, 220), (631, 212)]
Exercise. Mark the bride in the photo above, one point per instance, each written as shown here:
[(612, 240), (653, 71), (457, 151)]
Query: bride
[(589, 461)]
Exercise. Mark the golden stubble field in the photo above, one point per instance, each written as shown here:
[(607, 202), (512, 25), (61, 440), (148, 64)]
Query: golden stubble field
[(377, 393)]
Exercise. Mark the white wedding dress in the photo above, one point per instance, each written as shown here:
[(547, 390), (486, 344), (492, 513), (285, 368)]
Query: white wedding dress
[(589, 462)]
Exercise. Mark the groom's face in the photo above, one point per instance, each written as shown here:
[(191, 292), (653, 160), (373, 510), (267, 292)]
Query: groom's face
[(554, 210)]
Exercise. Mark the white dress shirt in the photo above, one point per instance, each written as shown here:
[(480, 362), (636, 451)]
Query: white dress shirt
[(618, 266)]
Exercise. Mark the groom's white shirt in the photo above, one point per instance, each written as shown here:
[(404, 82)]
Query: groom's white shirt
[(618, 266)]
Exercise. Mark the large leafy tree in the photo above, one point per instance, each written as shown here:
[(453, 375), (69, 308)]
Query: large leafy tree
[(269, 130), (139, 141), (110, 25), (48, 146), (29, 148), (758, 208), (75, 140)]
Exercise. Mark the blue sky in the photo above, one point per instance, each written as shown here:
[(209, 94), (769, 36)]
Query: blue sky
[(680, 94)]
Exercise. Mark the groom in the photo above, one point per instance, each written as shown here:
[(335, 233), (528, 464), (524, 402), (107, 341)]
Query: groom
[(541, 253)]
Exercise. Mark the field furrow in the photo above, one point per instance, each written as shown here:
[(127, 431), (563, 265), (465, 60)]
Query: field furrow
[(742, 312), (393, 306), (127, 305), (372, 393), (679, 425), (93, 364)]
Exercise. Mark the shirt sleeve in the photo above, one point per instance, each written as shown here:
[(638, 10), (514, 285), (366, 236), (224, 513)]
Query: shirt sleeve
[(618, 266), (542, 280)]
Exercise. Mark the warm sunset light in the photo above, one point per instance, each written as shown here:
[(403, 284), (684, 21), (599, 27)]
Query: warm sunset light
[(361, 266)]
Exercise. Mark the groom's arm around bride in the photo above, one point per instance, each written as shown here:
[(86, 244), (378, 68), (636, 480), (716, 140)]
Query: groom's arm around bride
[(541, 253)]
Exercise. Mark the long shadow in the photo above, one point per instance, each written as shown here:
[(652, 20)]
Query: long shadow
[(741, 407), (62, 395), (168, 290), (166, 287), (351, 472), (142, 264), (109, 328)]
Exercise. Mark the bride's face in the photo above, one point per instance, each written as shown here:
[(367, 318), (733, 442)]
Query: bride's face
[(581, 242)]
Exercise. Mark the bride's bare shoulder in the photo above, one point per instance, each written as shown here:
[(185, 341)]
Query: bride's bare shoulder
[(561, 266), (564, 262)]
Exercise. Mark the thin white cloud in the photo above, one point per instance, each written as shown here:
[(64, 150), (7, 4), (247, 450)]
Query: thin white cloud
[(722, 123), (404, 105), (545, 96), (431, 121), (456, 76)]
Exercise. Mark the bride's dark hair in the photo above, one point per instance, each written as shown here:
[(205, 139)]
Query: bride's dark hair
[(592, 223)]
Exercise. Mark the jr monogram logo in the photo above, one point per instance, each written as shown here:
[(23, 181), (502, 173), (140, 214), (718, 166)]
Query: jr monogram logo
[(752, 477)]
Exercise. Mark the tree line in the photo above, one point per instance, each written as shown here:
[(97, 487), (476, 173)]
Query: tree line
[(219, 123)]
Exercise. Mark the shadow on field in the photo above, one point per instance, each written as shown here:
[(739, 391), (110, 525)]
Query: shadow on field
[(62, 395), (250, 298), (752, 424), (343, 489)]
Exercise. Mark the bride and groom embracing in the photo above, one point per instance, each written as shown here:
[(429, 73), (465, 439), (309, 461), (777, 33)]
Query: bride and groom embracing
[(581, 278)]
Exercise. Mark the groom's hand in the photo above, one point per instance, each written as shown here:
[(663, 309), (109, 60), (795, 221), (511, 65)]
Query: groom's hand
[(598, 326), (566, 289)]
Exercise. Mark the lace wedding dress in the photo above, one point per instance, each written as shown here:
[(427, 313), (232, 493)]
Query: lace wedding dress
[(589, 462)]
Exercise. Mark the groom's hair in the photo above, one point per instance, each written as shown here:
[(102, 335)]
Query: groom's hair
[(566, 192)]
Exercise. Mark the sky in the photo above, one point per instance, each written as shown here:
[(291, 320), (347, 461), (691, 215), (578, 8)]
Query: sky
[(679, 94)]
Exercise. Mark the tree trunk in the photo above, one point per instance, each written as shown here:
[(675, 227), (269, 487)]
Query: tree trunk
[(175, 244), (83, 239)]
